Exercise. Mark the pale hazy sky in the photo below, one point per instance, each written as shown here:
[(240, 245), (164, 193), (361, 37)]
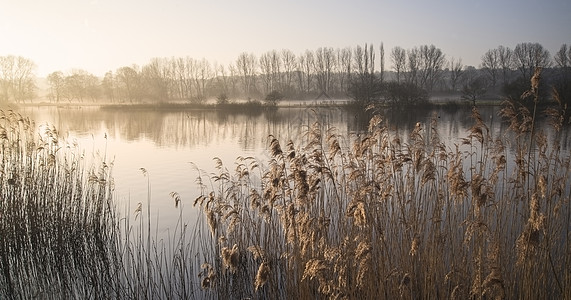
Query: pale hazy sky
[(102, 35)]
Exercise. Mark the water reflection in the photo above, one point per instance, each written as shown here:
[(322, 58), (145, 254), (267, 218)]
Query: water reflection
[(194, 127), (165, 142), (201, 128)]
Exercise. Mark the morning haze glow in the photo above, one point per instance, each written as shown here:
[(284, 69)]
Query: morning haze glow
[(100, 36), (259, 149)]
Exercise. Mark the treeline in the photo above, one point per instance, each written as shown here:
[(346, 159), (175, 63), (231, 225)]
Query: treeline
[(355, 72)]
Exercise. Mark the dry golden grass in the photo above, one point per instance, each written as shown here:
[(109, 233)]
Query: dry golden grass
[(387, 216)]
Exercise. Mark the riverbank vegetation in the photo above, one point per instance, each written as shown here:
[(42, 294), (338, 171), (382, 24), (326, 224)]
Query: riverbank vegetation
[(394, 217), (329, 216), (418, 74)]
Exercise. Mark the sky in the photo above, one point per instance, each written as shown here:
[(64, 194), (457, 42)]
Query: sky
[(103, 35)]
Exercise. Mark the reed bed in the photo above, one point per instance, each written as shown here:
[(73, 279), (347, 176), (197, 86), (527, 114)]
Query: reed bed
[(55, 215), (61, 233), (377, 215), (384, 216)]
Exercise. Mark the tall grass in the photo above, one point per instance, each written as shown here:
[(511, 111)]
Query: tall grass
[(390, 216), (61, 233), (55, 215), (377, 215)]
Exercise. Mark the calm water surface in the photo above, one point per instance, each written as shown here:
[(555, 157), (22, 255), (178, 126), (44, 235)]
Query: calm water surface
[(168, 144)]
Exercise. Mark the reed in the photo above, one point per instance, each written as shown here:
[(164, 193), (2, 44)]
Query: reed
[(62, 235), (381, 215), (55, 216)]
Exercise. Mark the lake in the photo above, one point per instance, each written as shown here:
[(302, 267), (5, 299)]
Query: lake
[(172, 145)]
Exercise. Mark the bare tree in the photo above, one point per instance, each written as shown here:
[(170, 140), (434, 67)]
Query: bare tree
[(183, 73), (365, 85), (270, 70), (364, 60), (222, 81), (246, 67), (398, 58), (16, 78), (456, 72), (562, 81), (233, 79), (430, 68), (529, 56), (202, 77), (128, 83), (158, 76), (304, 71), (382, 59), (80, 85), (474, 86), (266, 72), (56, 80), (412, 65), (276, 63), (323, 66), (505, 62), (563, 56), (108, 86), (491, 65), (289, 64), (344, 59)]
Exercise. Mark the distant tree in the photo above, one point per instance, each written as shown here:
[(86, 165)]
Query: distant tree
[(365, 87), (516, 89), (474, 88), (431, 63), (183, 72), (398, 58), (222, 80), (304, 71), (491, 65), (108, 86), (16, 78), (246, 67), (277, 66), (56, 80), (273, 98), (157, 76), (128, 83), (323, 66), (529, 56), (81, 85), (267, 72), (203, 76), (412, 66), (364, 60), (456, 72), (563, 57), (289, 65), (344, 59), (562, 77), (562, 89), (382, 59), (233, 80), (405, 93), (222, 99), (505, 62)]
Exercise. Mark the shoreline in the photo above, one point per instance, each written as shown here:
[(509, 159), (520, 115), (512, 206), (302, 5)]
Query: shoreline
[(258, 105)]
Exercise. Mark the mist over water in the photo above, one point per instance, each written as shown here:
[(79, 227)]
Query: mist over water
[(172, 146)]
